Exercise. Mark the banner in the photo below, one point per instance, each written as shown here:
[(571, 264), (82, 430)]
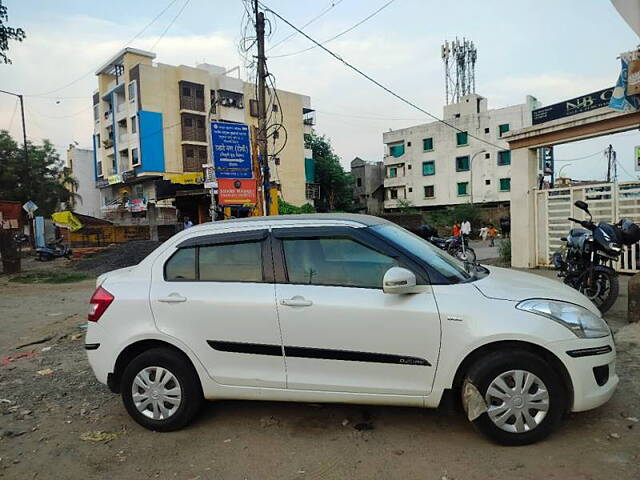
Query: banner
[(237, 192), (68, 220), (231, 150), (189, 178), (621, 99)]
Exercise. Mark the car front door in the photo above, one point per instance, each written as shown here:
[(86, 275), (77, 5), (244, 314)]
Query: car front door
[(215, 293), (340, 331)]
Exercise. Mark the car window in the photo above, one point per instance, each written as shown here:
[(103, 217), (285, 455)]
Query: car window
[(450, 268), (181, 265), (335, 261), (232, 262)]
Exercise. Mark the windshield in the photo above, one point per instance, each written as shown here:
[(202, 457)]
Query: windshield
[(450, 268)]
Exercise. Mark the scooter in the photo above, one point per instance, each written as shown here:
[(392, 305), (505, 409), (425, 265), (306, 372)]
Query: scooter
[(53, 250)]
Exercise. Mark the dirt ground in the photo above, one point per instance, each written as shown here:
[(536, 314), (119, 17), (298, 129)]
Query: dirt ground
[(56, 421)]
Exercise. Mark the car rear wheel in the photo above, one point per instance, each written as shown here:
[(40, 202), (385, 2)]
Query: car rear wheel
[(524, 395), (160, 390)]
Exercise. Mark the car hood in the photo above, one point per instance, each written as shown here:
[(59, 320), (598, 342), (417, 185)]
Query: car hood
[(507, 284)]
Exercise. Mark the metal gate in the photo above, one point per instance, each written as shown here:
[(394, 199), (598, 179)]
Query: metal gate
[(608, 202)]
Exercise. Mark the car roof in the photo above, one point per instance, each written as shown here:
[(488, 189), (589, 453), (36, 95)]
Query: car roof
[(353, 218)]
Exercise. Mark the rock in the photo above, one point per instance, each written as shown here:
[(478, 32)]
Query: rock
[(228, 440), (345, 422), (98, 436), (46, 371), (614, 435), (632, 419)]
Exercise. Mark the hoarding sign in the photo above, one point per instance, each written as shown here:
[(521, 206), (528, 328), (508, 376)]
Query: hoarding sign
[(582, 104), (235, 191), (231, 150), (30, 206)]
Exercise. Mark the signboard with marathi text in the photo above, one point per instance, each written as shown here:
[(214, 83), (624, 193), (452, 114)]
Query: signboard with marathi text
[(582, 104), (235, 191), (231, 150)]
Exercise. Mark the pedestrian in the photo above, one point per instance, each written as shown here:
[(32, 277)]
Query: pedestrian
[(483, 233), (492, 232), (505, 226), (465, 228), (456, 229), (187, 223)]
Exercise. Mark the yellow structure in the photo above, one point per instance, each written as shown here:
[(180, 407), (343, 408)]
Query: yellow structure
[(151, 135)]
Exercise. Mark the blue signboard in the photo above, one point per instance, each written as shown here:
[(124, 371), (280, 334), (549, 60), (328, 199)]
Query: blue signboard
[(231, 150)]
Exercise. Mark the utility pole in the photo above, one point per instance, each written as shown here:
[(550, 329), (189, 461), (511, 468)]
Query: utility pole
[(610, 153), (24, 138), (262, 109)]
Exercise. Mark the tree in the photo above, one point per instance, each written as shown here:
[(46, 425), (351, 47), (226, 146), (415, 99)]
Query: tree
[(7, 33), (336, 185), (48, 177)]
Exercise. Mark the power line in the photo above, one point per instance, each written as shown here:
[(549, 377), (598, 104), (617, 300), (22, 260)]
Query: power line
[(319, 44), (578, 158), (366, 117), (13, 115), (170, 24), (372, 80), (323, 12), (127, 43)]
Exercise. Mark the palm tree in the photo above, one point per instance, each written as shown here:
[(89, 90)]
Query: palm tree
[(71, 184)]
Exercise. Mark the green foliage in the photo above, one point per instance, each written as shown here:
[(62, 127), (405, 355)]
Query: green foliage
[(336, 185), (504, 251), (44, 179), (50, 276), (285, 208), (445, 218), (407, 208), (7, 33)]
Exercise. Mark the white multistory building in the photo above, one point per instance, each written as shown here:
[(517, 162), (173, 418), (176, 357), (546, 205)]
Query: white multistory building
[(433, 164)]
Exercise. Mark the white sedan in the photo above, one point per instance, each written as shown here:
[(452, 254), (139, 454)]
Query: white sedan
[(344, 308)]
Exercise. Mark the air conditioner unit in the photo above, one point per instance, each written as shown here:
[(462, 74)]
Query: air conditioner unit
[(225, 101), (240, 104)]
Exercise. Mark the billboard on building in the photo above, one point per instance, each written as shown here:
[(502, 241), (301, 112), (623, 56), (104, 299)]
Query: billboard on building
[(236, 191), (231, 150), (574, 106)]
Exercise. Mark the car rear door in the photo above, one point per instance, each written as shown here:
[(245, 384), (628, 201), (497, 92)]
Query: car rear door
[(215, 293), (340, 331)]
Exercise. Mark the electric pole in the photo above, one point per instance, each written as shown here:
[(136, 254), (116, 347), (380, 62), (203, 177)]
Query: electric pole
[(262, 109), (27, 180), (610, 153)]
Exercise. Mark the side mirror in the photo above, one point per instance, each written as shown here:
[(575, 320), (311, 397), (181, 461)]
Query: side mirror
[(401, 281), (581, 205)]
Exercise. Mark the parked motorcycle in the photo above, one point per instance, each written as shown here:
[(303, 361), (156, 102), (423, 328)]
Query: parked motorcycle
[(53, 250), (589, 252), (456, 246)]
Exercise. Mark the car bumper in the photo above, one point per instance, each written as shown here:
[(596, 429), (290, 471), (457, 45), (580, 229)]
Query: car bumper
[(100, 358), (591, 364)]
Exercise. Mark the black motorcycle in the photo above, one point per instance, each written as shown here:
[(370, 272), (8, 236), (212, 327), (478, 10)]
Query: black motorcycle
[(589, 252), (53, 250), (456, 246)]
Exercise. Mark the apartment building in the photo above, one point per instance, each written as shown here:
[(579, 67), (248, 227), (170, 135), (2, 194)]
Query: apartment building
[(368, 186), (434, 165), (80, 162), (151, 136)]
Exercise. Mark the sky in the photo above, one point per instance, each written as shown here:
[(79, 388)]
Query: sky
[(553, 50)]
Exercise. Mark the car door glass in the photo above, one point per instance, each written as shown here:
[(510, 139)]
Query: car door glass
[(335, 261), (233, 262), (181, 266)]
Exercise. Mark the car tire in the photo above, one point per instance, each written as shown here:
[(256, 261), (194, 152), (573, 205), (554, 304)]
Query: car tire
[(508, 421), (168, 393)]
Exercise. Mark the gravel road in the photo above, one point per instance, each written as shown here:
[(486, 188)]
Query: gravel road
[(56, 421)]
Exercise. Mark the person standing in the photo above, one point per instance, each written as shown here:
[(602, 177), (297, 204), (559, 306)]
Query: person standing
[(492, 232), (484, 233), (187, 223), (465, 228), (456, 229)]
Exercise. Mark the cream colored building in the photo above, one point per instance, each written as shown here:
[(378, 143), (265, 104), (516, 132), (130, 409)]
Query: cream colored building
[(80, 162), (151, 135)]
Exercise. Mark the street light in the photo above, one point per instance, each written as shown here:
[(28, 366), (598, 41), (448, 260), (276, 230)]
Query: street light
[(471, 173), (24, 136), (562, 168)]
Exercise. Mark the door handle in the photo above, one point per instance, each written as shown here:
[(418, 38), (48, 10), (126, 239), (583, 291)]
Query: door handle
[(173, 298), (296, 301)]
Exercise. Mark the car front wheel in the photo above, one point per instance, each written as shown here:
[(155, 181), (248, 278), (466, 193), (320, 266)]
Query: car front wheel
[(525, 397), (160, 390)]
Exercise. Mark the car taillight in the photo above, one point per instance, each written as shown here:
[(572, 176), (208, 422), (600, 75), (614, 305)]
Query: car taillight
[(99, 302)]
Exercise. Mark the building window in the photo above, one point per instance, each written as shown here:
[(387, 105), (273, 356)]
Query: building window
[(135, 158), (429, 168), (486, 130), (358, 182), (505, 184), (462, 138), (462, 164), (396, 150), (186, 91), (393, 194), (408, 144), (191, 96), (502, 129), (131, 90), (188, 122), (487, 155), (504, 157), (96, 113), (193, 128), (427, 144), (463, 189), (393, 172), (134, 124), (487, 182), (212, 98), (429, 191)]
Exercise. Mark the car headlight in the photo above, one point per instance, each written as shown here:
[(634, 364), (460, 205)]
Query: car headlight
[(579, 320)]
